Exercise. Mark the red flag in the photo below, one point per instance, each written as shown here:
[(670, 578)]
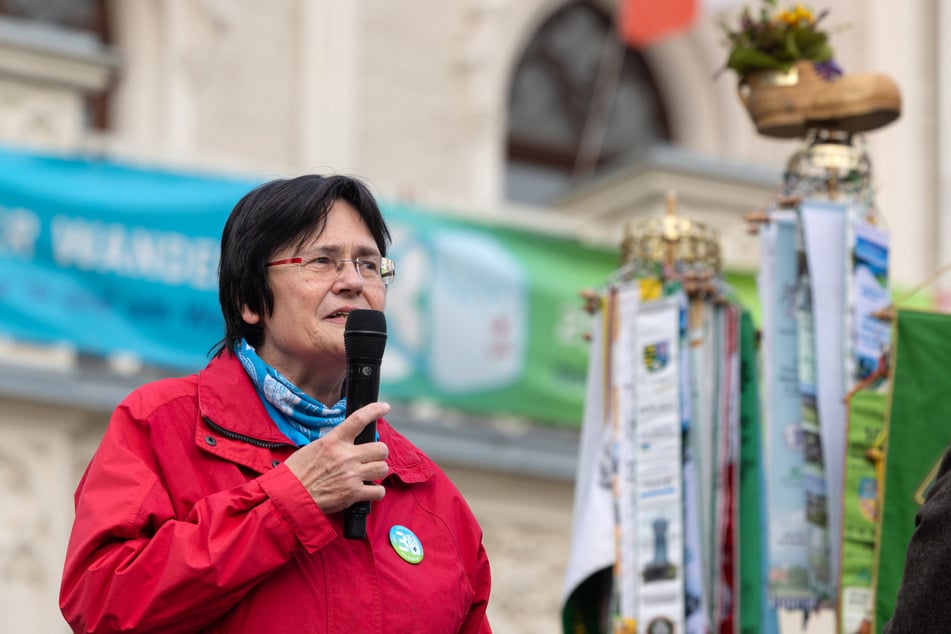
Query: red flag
[(643, 22)]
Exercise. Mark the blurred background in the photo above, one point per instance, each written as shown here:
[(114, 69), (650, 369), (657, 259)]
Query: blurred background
[(500, 136)]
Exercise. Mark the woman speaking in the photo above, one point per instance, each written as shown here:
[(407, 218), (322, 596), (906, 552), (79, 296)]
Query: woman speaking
[(215, 502)]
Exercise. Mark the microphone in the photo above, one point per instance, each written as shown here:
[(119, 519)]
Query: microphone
[(364, 338)]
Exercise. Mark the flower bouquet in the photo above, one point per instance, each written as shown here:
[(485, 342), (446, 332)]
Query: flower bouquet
[(790, 82), (776, 39)]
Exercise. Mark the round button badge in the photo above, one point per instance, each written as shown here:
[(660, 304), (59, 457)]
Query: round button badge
[(406, 544)]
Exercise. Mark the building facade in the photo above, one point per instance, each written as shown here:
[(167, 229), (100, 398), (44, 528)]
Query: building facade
[(488, 108)]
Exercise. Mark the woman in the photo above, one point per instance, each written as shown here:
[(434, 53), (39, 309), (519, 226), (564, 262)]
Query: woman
[(214, 501)]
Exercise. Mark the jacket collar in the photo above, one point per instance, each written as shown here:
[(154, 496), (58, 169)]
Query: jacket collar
[(227, 397)]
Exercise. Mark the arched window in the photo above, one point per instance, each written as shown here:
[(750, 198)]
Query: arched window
[(580, 101), (87, 16)]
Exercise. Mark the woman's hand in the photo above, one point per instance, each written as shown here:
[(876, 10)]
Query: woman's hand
[(334, 470)]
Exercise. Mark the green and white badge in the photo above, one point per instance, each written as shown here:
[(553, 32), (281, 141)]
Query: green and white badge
[(406, 544)]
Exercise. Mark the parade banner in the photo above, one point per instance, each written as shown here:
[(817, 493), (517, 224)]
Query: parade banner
[(866, 409), (695, 350), (867, 346), (700, 444), (624, 307), (754, 613), (632, 473), (869, 337), (115, 259), (726, 434), (788, 545), (827, 253), (658, 480), (592, 532), (918, 433)]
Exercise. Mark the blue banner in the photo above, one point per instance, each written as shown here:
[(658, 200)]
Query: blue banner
[(117, 259), (110, 258)]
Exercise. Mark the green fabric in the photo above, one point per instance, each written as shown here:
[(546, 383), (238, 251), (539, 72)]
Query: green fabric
[(866, 418), (751, 533), (918, 432)]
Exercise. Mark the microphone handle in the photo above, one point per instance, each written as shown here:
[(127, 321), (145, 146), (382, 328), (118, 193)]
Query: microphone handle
[(363, 388)]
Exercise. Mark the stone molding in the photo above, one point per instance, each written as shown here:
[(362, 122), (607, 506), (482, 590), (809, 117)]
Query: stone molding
[(47, 55)]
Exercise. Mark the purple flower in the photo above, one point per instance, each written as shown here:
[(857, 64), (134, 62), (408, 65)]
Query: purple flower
[(828, 70)]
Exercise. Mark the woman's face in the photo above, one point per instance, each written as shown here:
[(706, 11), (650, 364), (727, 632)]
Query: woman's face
[(303, 336)]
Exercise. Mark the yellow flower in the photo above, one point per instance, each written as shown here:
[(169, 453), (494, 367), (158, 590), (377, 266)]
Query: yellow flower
[(798, 15), (804, 14)]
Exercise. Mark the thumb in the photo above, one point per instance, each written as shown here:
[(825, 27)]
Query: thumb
[(351, 426)]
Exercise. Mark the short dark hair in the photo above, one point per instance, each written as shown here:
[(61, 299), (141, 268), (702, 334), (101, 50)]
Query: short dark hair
[(272, 217)]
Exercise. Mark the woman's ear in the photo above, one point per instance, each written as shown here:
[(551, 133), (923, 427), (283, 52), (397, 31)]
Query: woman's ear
[(249, 316)]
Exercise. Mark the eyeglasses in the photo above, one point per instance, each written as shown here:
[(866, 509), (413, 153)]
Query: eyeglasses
[(372, 269)]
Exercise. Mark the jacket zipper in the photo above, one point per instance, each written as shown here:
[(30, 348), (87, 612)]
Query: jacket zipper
[(263, 444)]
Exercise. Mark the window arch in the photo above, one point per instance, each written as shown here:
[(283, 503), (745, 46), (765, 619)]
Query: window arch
[(579, 102)]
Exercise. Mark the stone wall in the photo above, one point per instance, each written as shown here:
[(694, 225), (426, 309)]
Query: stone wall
[(526, 524), (43, 451)]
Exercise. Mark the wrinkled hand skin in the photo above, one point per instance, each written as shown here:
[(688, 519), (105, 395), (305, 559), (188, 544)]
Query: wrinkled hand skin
[(335, 471)]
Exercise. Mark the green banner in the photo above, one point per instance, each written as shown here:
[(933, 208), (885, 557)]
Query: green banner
[(866, 418), (752, 599), (918, 432), (489, 319)]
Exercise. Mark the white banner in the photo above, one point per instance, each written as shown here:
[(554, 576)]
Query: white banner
[(623, 376), (659, 471), (824, 232), (592, 534), (785, 499)]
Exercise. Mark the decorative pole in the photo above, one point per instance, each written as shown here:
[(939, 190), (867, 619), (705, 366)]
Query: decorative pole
[(823, 279)]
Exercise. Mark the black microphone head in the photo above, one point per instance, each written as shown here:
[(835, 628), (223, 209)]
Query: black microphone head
[(364, 335)]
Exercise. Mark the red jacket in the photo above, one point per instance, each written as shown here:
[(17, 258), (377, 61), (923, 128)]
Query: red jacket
[(187, 520)]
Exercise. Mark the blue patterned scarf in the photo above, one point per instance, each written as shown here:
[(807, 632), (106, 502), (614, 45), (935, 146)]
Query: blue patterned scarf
[(300, 417)]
